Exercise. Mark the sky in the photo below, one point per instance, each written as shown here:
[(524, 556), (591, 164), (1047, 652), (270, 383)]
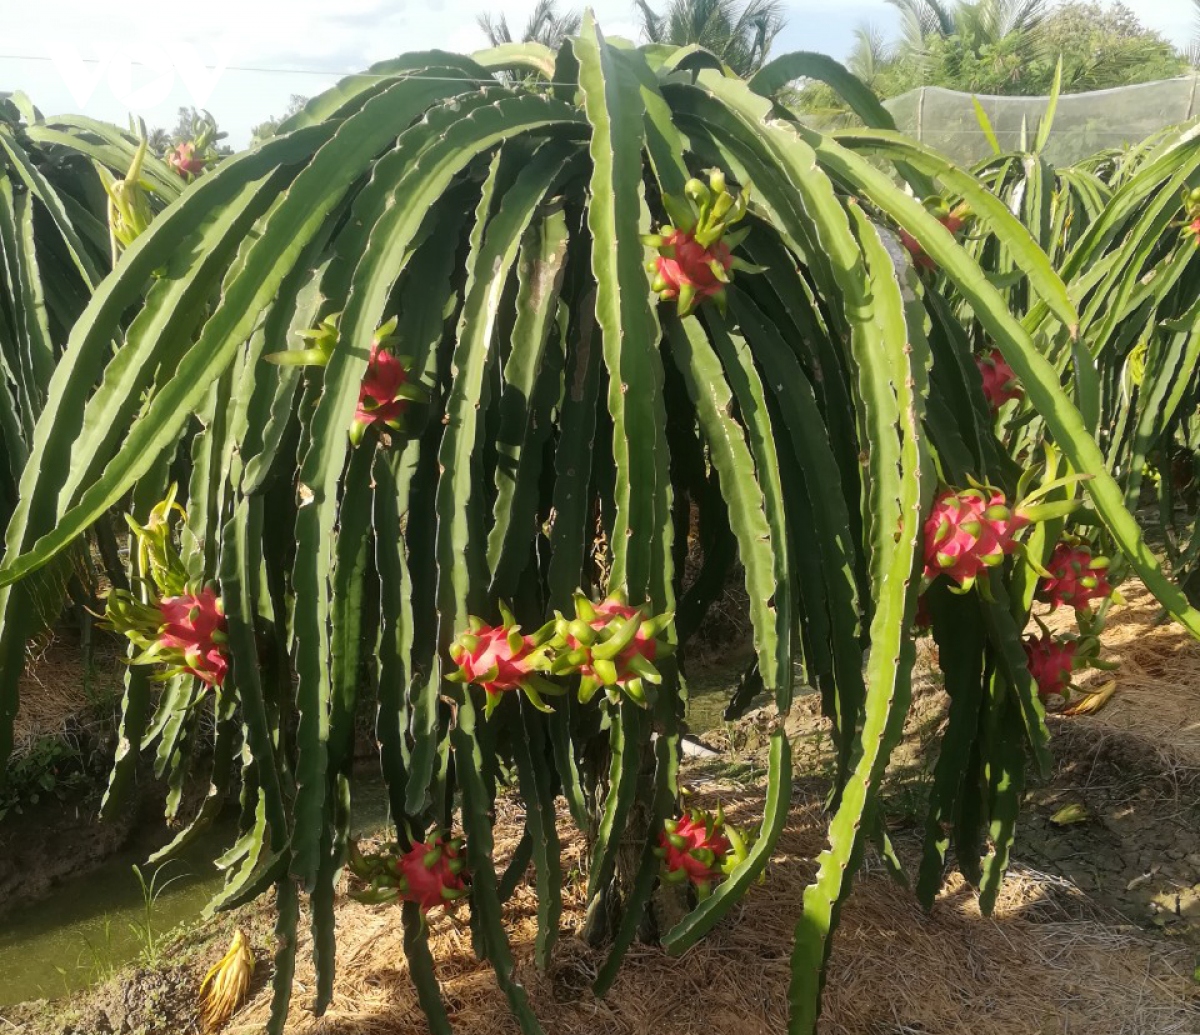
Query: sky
[(243, 59)]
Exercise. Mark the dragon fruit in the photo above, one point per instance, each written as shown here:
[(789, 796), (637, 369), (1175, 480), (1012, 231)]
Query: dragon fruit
[(193, 633), (700, 848), (686, 266), (184, 159), (968, 532), (385, 392), (1051, 662), (695, 257), (1076, 577), (380, 398), (172, 622), (954, 221), (429, 873), (999, 380), (610, 645), (500, 658)]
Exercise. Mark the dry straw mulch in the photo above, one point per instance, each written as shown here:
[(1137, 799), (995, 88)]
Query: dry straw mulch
[(1045, 963)]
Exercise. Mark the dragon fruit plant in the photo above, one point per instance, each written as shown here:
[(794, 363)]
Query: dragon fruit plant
[(579, 430)]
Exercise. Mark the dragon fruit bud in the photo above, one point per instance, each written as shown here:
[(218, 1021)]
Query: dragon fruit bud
[(1051, 662), (193, 632), (184, 160), (431, 873), (694, 848), (1076, 577), (967, 532), (500, 658), (999, 381)]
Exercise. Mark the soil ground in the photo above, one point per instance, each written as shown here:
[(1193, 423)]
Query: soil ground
[(1097, 929)]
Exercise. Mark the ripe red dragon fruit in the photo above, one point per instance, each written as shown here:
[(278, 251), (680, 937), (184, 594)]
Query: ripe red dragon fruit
[(695, 257), (380, 398), (700, 848), (999, 380), (431, 872), (954, 221), (968, 532), (500, 658), (184, 160), (1076, 577), (386, 389), (610, 645), (193, 634), (686, 266), (1051, 662)]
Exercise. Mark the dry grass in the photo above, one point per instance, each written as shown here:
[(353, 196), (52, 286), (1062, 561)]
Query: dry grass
[(1046, 963), (54, 685)]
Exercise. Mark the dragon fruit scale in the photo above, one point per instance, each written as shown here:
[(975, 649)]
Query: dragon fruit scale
[(1051, 662), (695, 257), (1076, 577), (999, 380), (610, 645), (967, 532), (500, 658)]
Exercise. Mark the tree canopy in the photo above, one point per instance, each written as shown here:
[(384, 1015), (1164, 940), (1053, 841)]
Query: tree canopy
[(1007, 47)]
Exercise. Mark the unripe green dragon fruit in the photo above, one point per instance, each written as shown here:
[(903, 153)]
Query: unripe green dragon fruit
[(610, 645)]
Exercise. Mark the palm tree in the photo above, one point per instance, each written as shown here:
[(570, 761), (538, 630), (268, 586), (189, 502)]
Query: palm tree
[(976, 23), (739, 34), (871, 54), (545, 26)]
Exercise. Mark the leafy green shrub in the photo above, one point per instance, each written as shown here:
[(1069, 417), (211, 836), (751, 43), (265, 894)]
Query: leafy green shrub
[(557, 429)]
